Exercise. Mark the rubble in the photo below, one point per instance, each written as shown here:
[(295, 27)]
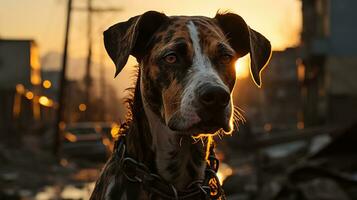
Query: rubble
[(326, 172)]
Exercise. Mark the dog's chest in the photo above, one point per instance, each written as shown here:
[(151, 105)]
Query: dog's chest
[(178, 160)]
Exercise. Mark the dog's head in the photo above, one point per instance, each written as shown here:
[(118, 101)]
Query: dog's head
[(187, 65)]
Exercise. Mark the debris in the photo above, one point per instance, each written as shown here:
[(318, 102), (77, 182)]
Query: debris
[(322, 189)]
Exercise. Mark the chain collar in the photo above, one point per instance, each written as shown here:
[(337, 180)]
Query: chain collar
[(136, 172)]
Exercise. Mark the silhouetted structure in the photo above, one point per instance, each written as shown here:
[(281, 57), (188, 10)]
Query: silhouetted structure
[(330, 60), (20, 82), (282, 104)]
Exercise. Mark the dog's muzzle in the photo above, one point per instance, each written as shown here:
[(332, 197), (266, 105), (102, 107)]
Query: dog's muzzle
[(213, 108), (214, 98), (210, 112)]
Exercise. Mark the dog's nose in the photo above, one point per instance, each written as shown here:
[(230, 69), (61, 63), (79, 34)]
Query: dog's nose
[(214, 96)]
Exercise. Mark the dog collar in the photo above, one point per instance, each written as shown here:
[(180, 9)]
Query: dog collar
[(136, 172)]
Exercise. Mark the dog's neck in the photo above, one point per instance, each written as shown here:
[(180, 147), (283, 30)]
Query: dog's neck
[(176, 157), (179, 159)]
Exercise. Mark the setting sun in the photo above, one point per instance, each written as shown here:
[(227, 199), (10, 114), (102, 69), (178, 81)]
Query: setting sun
[(242, 67)]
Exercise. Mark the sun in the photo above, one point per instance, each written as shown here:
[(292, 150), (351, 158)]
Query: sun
[(242, 67)]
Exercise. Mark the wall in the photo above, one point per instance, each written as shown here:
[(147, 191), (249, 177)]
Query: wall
[(14, 63)]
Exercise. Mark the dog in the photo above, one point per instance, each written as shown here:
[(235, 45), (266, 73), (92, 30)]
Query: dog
[(185, 78)]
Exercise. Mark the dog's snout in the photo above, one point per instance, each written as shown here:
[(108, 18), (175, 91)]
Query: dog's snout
[(214, 96)]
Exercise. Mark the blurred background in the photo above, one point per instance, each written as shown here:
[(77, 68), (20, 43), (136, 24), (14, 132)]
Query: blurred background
[(60, 104)]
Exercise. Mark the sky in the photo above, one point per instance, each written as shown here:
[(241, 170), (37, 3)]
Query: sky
[(44, 21)]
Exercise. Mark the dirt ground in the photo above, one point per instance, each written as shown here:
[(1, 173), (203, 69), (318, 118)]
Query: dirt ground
[(30, 171)]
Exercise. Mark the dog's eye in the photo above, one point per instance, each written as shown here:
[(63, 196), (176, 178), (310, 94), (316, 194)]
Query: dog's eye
[(170, 58), (226, 59)]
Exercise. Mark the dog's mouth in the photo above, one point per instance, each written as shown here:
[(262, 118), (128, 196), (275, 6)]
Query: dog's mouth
[(200, 124), (209, 127)]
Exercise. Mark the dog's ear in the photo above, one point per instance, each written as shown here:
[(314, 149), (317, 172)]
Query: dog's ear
[(131, 37), (246, 40)]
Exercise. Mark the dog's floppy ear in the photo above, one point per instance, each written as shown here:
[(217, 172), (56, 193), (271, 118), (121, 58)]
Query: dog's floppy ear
[(131, 37), (246, 40)]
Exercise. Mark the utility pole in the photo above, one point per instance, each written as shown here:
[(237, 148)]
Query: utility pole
[(88, 78), (62, 85), (60, 117), (102, 86)]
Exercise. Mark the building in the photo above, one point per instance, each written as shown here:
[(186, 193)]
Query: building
[(282, 101), (328, 43), (314, 83), (19, 77), (22, 99), (19, 64)]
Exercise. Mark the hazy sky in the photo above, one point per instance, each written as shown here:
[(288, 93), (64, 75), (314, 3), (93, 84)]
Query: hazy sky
[(43, 20)]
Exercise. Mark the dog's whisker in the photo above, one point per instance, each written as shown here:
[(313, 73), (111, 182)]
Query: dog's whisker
[(201, 138), (239, 116), (219, 134), (236, 121), (236, 124), (195, 140), (239, 109)]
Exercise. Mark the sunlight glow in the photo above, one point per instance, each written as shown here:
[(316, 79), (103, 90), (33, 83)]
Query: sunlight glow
[(29, 95), (36, 109), (231, 118), (223, 172), (17, 105), (115, 131), (106, 142), (300, 69), (268, 127), (46, 84), (43, 100), (20, 88), (242, 67), (70, 137), (82, 107), (300, 125), (35, 65)]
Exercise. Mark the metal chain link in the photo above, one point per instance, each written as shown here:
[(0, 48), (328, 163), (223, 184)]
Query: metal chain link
[(210, 187)]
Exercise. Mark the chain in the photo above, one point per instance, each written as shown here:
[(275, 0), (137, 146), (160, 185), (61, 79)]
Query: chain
[(136, 172)]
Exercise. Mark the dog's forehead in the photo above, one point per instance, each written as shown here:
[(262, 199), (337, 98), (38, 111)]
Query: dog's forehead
[(178, 21), (177, 28), (177, 31)]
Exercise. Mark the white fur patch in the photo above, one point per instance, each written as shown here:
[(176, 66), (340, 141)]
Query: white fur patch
[(165, 141), (202, 72), (199, 60), (162, 137)]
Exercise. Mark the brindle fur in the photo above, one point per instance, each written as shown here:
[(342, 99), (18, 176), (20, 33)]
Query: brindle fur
[(159, 89), (138, 142)]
